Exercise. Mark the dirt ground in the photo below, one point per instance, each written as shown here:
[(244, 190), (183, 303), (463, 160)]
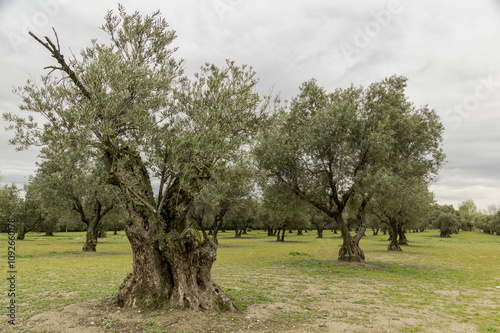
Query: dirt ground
[(361, 311)]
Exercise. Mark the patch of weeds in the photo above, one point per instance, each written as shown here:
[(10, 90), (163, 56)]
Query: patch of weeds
[(153, 314), (490, 330), (298, 254), (108, 322), (147, 322)]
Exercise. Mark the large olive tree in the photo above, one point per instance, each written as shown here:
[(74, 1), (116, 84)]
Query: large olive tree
[(128, 100), (330, 147)]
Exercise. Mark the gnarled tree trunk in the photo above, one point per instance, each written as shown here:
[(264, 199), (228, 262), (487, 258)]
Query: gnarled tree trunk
[(402, 237), (172, 270), (350, 250), (394, 244)]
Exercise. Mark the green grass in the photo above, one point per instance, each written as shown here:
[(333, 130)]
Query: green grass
[(455, 277)]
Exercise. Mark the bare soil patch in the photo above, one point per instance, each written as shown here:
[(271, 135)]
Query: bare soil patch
[(318, 305)]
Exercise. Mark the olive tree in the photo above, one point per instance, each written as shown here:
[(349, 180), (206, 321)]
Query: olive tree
[(329, 147), (446, 219), (226, 191), (72, 182), (489, 224), (8, 201), (319, 220), (400, 204), (468, 212), (284, 211), (25, 209), (128, 100)]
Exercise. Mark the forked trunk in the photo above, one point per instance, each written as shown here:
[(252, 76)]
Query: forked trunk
[(394, 244), (93, 222), (350, 250), (172, 270)]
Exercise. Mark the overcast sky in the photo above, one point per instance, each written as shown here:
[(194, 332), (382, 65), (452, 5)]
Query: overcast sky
[(449, 50)]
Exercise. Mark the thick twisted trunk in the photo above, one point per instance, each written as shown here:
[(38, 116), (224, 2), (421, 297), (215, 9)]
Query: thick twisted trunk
[(350, 250), (172, 270), (171, 262)]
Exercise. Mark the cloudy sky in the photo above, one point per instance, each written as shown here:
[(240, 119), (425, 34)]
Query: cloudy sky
[(449, 50)]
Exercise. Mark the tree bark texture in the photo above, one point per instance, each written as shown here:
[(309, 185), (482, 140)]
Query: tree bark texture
[(350, 250), (173, 270)]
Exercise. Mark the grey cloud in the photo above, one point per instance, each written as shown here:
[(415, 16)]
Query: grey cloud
[(445, 48)]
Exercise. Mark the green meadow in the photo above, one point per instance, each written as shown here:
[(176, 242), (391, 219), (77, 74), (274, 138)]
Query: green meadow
[(434, 285)]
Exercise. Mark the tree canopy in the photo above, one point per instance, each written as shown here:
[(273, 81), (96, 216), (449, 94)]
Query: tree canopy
[(331, 147), (123, 117), (127, 102)]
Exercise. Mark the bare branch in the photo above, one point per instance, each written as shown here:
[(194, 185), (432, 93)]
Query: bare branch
[(56, 53), (57, 39)]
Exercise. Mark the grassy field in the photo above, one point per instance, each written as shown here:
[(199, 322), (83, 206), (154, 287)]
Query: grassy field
[(435, 285)]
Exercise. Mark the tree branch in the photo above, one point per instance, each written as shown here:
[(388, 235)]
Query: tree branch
[(56, 53)]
